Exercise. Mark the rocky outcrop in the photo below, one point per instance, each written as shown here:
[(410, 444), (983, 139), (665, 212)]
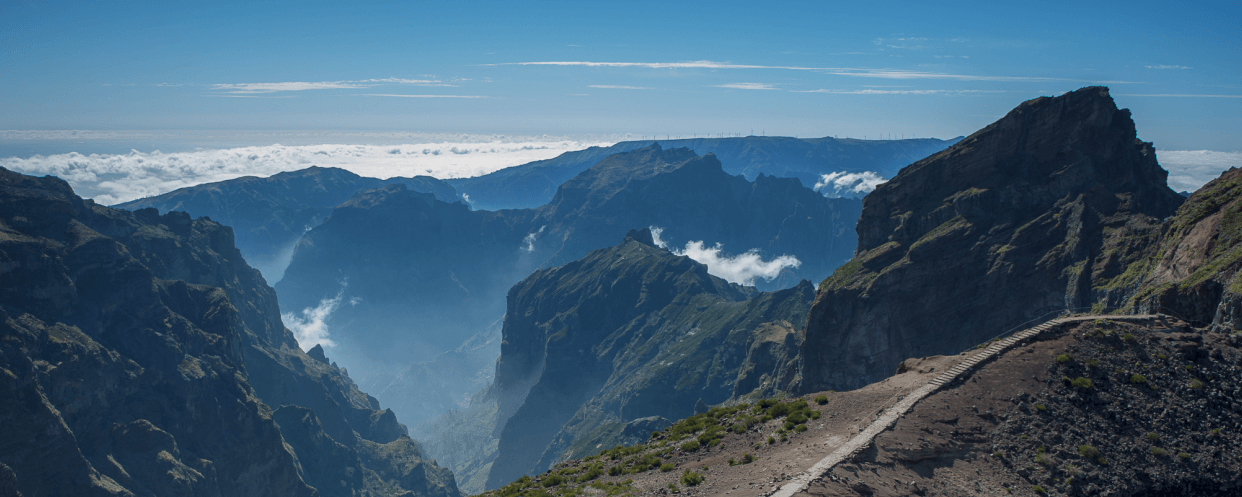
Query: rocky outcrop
[(1193, 271), (141, 336), (1025, 217), (627, 333), (117, 382), (269, 215)]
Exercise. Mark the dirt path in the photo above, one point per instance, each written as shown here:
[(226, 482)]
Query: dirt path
[(800, 481)]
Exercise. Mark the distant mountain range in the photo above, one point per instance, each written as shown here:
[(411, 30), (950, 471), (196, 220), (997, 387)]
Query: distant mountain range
[(808, 160)]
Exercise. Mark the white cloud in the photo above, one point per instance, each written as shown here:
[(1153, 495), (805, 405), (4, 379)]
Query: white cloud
[(838, 71), (742, 269), (1161, 66), (843, 184), (1176, 95), (246, 88), (620, 87), (1191, 169), (116, 178), (419, 96), (311, 328), (747, 86), (896, 92)]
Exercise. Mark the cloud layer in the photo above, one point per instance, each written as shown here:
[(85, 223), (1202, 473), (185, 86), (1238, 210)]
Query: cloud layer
[(115, 178), (1191, 169), (311, 328), (843, 184), (742, 269)]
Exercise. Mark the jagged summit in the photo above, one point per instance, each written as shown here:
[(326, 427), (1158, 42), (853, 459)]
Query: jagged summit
[(1042, 152), (641, 235)]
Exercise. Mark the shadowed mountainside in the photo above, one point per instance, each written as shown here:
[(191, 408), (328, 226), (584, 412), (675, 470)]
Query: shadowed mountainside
[(134, 340), (628, 334), (269, 215)]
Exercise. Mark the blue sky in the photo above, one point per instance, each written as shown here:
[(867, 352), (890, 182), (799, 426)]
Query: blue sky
[(804, 69)]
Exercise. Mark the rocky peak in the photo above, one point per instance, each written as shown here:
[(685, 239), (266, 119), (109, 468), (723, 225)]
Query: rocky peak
[(643, 236), (1044, 151), (1027, 216)]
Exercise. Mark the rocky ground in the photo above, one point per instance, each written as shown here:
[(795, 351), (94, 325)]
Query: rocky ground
[(1098, 408), (1101, 408)]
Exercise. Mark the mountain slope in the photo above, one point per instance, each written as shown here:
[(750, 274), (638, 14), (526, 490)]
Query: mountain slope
[(270, 214), (118, 382), (1011, 223), (534, 184), (199, 254), (627, 333)]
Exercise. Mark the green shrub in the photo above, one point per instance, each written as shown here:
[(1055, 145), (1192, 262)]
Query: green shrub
[(591, 473), (1102, 461), (1093, 363), (553, 480), (1138, 378), (1083, 383), (821, 399), (1161, 356), (1043, 460), (1196, 384), (771, 440), (1152, 436), (1157, 451), (732, 462), (690, 446), (815, 415), (615, 470), (1088, 451), (800, 428), (672, 487), (1215, 432), (1064, 358), (1040, 407), (1189, 367), (789, 425), (666, 467), (690, 478), (797, 418), (747, 458), (1129, 337), (1183, 455), (1039, 490)]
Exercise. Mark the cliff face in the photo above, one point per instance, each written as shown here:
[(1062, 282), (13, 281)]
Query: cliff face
[(118, 382), (154, 323), (269, 215), (629, 335), (1193, 271), (1027, 216)]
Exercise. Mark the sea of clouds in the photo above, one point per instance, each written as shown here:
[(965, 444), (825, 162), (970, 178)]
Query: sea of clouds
[(115, 178)]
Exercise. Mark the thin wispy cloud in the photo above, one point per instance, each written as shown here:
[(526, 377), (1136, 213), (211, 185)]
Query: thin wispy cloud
[(620, 87), (1161, 66), (836, 71), (896, 92), (400, 95), (249, 88), (1176, 95), (747, 86)]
